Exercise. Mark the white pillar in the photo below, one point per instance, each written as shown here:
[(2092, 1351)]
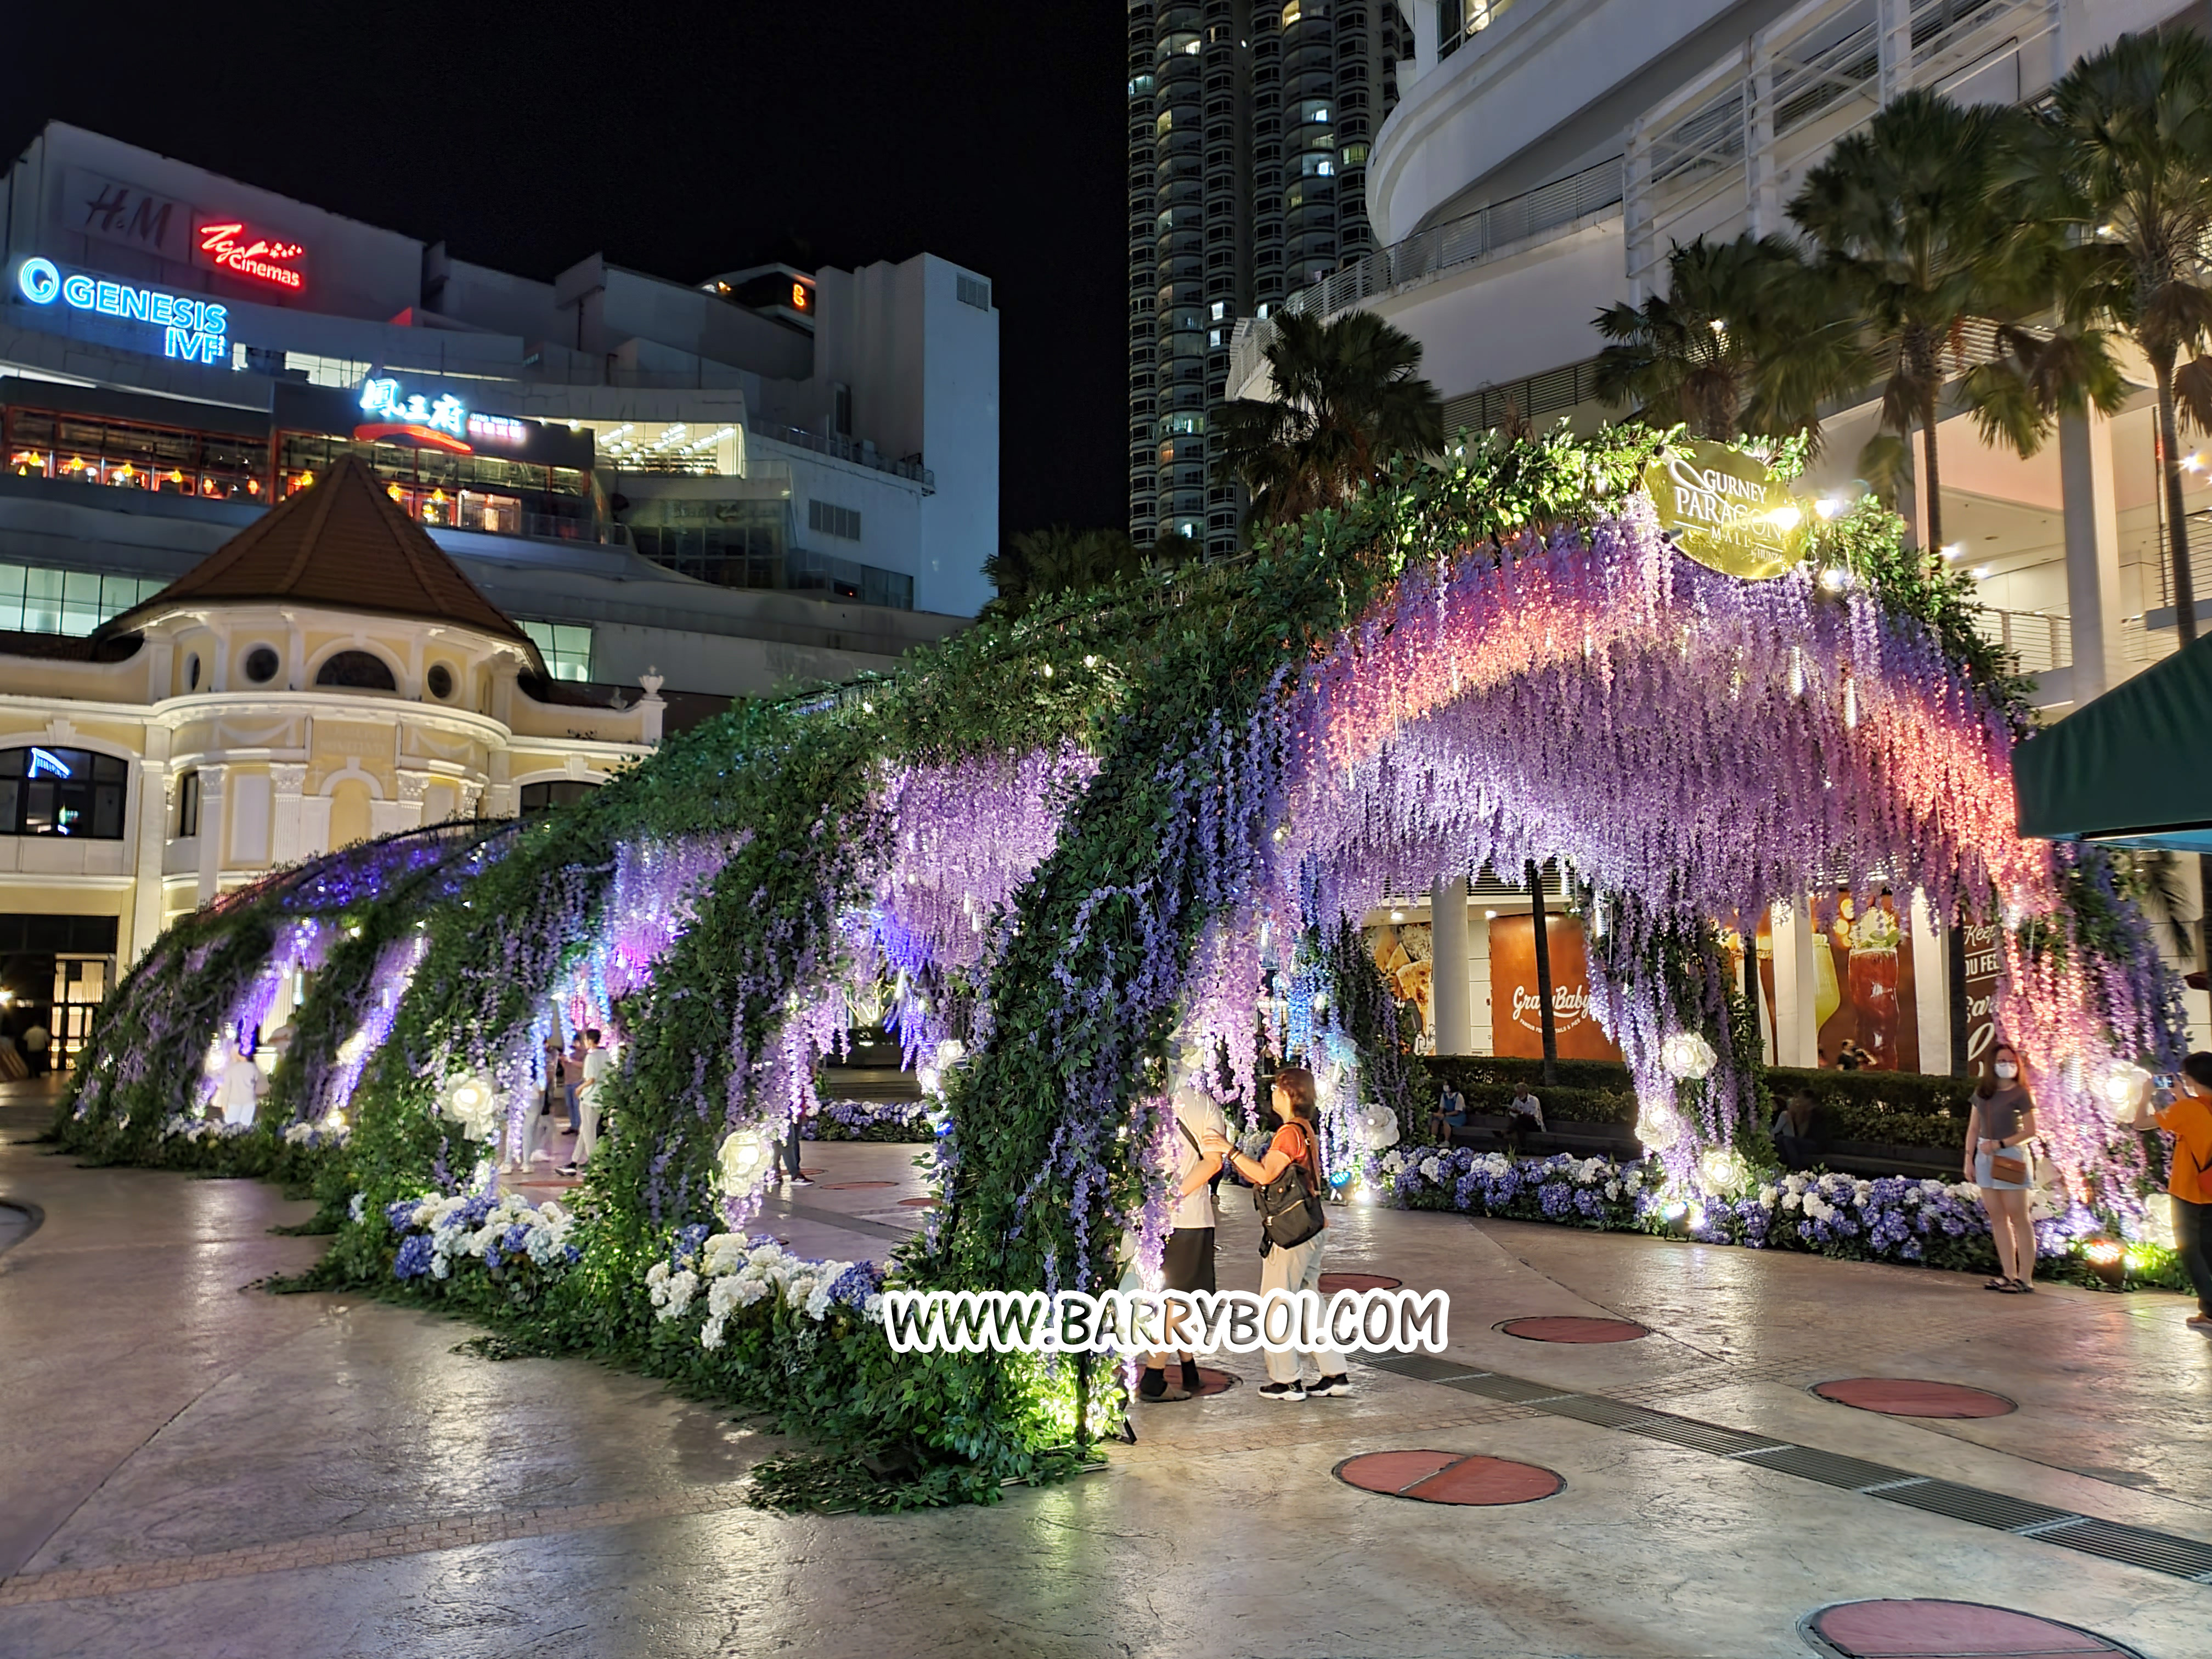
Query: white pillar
[(211, 829), (1796, 1010), (153, 810), (1449, 1008), (2092, 553), (1931, 981)]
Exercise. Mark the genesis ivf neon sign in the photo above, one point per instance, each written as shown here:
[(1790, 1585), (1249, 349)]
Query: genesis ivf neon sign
[(193, 329)]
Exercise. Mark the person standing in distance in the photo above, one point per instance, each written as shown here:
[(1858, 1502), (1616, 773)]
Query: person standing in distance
[(1999, 1130), (2186, 1114), (1188, 1263)]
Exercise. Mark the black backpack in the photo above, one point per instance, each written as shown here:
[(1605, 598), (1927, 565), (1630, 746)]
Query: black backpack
[(1290, 1210)]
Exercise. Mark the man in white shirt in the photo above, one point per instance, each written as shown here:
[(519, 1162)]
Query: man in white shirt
[(597, 1063), (1524, 1117), (1188, 1263)]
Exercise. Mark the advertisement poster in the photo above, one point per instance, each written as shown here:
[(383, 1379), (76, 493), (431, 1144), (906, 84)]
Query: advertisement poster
[(1863, 992), (1517, 1025), (1984, 964), (1402, 957)]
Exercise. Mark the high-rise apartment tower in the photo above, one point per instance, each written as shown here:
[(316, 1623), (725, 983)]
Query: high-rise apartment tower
[(1249, 125)]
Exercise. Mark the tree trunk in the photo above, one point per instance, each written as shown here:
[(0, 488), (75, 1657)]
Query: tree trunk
[(2169, 441), (1543, 932), (1934, 478)]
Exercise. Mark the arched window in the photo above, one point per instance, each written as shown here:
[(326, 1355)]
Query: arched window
[(62, 792), (356, 671), (561, 791)]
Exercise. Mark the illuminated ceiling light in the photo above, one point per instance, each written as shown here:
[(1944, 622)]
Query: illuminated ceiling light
[(1719, 327), (1828, 506), (1982, 572), (1835, 579), (1397, 915), (1954, 550), (1490, 916)]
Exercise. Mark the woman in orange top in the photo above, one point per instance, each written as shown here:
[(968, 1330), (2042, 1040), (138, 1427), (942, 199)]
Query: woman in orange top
[(1297, 1268), (2188, 1119)]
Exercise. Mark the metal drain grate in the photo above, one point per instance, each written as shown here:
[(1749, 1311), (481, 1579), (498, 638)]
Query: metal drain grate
[(2159, 1550), (1699, 1437), (1829, 1468), (1597, 1409), (1983, 1509), (1423, 1367), (1512, 1390)]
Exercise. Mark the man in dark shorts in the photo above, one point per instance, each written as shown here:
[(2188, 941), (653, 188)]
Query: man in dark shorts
[(1188, 1263)]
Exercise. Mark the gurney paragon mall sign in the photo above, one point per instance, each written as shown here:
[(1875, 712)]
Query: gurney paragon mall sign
[(1726, 510)]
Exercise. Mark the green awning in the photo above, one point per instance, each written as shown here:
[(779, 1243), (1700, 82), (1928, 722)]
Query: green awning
[(2133, 766)]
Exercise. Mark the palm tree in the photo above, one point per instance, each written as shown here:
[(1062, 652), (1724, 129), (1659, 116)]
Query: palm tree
[(1347, 399), (2123, 151), (1035, 564), (1912, 227), (1739, 343)]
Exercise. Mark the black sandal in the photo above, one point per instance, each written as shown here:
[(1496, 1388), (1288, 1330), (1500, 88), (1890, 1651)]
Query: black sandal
[(1998, 1285)]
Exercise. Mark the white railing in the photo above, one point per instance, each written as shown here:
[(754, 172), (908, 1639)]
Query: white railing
[(2041, 640), (1724, 152), (1466, 241)]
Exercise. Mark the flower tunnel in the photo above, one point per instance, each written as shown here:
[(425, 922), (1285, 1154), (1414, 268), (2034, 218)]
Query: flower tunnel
[(1075, 848)]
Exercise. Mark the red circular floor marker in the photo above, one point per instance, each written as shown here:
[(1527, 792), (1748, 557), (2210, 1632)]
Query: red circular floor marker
[(1907, 1397), (1332, 1283), (918, 1203), (853, 1185), (1947, 1630), (1442, 1477), (1573, 1328)]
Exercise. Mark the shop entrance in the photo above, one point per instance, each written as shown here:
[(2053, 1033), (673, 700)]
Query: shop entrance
[(54, 972)]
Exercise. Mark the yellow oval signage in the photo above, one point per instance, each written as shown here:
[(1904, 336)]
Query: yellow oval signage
[(1726, 510)]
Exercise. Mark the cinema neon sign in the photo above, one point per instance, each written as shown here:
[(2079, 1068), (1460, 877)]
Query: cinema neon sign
[(194, 330), (228, 245)]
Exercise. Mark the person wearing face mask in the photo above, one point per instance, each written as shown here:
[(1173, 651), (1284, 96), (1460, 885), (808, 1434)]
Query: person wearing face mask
[(1998, 1131), (2186, 1114)]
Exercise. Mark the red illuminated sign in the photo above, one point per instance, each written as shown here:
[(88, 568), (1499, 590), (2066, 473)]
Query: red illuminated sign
[(230, 246)]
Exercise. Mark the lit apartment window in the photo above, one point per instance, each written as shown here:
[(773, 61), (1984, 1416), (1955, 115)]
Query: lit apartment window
[(827, 518), (974, 291), (1221, 310), (566, 646)]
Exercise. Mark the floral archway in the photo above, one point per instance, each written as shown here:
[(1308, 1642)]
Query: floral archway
[(1075, 843)]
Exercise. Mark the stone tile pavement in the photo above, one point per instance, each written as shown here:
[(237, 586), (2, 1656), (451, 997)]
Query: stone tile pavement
[(193, 1468)]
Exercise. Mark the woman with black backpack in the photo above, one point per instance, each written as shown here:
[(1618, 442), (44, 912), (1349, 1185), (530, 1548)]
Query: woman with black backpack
[(1287, 1187)]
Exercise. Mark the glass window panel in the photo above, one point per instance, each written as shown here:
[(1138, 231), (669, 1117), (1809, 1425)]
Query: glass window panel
[(107, 811)]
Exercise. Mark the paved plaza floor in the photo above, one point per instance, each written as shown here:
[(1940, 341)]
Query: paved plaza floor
[(190, 1468)]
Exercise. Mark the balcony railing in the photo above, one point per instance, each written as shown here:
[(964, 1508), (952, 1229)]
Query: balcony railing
[(845, 449), (2042, 640), (1468, 239)]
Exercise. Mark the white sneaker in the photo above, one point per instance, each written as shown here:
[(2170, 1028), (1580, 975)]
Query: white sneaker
[(1282, 1391)]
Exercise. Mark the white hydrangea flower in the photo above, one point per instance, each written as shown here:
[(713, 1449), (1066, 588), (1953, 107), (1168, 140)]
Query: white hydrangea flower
[(358, 1210), (1767, 1195), (1612, 1189), (710, 1333), (1431, 1169)]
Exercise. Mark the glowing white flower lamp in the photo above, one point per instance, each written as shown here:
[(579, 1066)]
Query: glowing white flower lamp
[(1658, 1126), (743, 1155), (473, 1104), (1686, 1055), (1378, 1129), (1724, 1172), (2123, 1084)]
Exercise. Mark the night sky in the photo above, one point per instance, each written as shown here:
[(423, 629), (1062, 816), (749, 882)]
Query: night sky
[(677, 140)]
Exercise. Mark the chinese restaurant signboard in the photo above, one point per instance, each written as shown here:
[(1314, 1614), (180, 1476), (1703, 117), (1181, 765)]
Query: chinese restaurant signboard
[(1726, 510), (1517, 1019)]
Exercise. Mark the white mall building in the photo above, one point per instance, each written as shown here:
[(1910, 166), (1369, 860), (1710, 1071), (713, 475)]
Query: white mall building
[(1542, 156)]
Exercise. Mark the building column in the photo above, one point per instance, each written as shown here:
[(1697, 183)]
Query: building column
[(211, 829), (1797, 1011), (2092, 553), (1931, 983), (1448, 1010), (284, 839), (155, 783), (413, 787)]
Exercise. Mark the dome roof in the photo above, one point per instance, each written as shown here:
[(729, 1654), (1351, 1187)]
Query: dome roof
[(342, 544)]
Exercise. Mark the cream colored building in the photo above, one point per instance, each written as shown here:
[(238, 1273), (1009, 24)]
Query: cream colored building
[(327, 675)]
